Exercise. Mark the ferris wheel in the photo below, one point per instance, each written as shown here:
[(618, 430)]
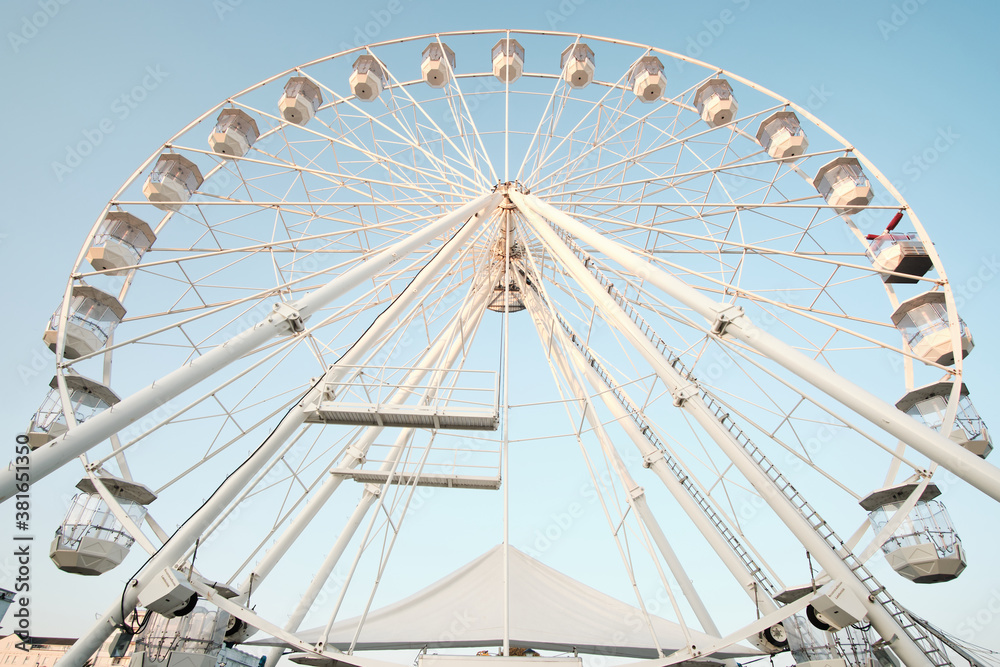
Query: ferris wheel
[(418, 270)]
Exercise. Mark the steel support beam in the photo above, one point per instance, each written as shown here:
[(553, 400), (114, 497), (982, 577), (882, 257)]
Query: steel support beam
[(186, 535), (731, 321), (102, 426), (687, 396), (637, 499)]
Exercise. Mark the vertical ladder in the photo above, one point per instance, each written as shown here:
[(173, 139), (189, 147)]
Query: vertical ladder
[(759, 575), (876, 592)]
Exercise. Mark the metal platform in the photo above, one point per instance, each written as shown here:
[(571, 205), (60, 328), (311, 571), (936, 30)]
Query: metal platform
[(404, 416), (426, 479), (392, 396)]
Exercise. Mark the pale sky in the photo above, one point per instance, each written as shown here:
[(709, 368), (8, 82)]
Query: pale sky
[(912, 84)]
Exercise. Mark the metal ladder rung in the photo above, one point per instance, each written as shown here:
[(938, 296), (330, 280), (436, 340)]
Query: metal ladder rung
[(821, 527)]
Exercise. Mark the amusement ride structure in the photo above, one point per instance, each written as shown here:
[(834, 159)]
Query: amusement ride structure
[(419, 270)]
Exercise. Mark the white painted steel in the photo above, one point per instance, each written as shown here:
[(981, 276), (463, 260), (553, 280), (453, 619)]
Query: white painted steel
[(466, 319), (227, 491), (277, 551), (426, 150), (659, 466), (545, 327), (831, 561), (966, 465), (57, 452)]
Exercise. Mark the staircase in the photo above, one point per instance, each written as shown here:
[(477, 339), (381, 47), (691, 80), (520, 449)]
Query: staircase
[(877, 593)]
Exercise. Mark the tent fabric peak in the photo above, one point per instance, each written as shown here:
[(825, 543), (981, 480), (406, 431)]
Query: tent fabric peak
[(548, 610)]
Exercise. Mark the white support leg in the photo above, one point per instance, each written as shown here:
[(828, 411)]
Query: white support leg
[(186, 535), (368, 497), (658, 465), (935, 446), (687, 396), (636, 498), (468, 317), (102, 426)]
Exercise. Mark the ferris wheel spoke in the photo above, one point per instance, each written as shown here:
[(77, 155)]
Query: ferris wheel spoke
[(442, 164), (799, 452), (927, 442), (830, 319), (670, 137), (211, 309), (469, 162), (362, 188), (695, 512), (701, 296), (385, 161), (668, 142), (544, 154), (225, 445), (684, 177), (751, 359), (335, 451), (685, 241), (334, 239), (535, 143), (462, 114), (347, 315), (597, 143)]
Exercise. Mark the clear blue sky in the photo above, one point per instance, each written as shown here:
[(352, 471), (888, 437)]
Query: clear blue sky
[(912, 83)]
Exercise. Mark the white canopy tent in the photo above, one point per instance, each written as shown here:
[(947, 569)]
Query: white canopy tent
[(548, 611)]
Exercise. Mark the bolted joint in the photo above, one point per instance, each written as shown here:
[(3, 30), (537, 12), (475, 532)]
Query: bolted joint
[(637, 492), (373, 489), (650, 459), (354, 452), (682, 394), (290, 314), (724, 314)]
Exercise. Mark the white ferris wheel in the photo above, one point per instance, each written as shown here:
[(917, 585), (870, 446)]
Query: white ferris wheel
[(453, 269)]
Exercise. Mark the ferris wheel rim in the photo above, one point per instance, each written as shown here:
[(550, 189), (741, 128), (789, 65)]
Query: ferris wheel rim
[(173, 143)]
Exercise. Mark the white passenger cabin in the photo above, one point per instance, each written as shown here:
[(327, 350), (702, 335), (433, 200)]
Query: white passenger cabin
[(809, 646), (843, 185), (923, 321), (928, 405), (93, 316), (172, 182), (194, 639), (301, 100), (121, 240), (86, 397), (925, 548), (368, 78), (234, 133), (91, 540), (578, 65), (436, 65), (899, 253), (508, 60), (647, 79), (715, 102), (782, 136)]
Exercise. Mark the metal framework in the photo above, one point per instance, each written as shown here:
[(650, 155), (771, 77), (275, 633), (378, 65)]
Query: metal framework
[(303, 324)]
